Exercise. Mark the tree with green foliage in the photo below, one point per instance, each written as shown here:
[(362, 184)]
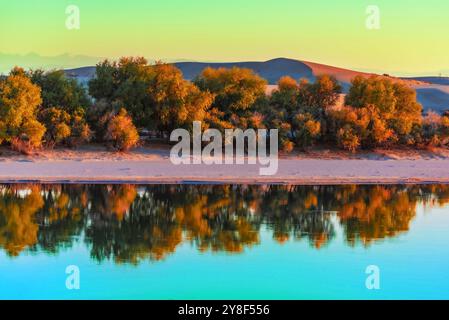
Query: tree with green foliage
[(286, 97), (80, 130), (176, 101), (59, 91), (299, 110), (307, 130), (281, 110), (237, 93), (319, 95), (156, 96), (124, 82), (63, 108)]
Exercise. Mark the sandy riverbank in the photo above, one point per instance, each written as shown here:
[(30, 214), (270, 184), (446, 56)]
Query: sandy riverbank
[(152, 165)]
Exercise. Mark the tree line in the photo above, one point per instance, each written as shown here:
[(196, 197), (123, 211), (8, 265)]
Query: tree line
[(130, 96)]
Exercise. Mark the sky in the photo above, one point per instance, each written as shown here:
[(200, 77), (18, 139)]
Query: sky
[(412, 39)]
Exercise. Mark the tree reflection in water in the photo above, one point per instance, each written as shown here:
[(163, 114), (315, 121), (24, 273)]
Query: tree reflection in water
[(129, 223)]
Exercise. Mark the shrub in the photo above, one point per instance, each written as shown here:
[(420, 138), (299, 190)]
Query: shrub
[(347, 139), (21, 146), (57, 122), (98, 117), (30, 137), (65, 128), (445, 126), (33, 131), (80, 130), (122, 132), (365, 123), (308, 130), (285, 97), (321, 94), (287, 146), (284, 134), (434, 130)]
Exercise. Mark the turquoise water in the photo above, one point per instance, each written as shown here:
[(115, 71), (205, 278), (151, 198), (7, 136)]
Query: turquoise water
[(224, 242)]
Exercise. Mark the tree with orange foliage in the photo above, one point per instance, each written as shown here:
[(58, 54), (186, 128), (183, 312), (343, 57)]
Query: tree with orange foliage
[(19, 99), (122, 132), (394, 103)]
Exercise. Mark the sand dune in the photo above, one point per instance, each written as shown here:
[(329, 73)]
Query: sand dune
[(271, 70), (433, 98), (344, 76), (432, 80)]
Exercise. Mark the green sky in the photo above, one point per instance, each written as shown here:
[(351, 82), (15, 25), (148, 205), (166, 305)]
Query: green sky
[(413, 38)]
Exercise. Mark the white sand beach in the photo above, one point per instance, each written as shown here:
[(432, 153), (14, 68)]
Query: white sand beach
[(152, 165)]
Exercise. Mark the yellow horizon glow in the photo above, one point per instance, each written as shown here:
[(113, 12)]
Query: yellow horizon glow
[(411, 40)]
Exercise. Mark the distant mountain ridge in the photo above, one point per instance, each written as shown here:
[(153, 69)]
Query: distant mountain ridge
[(36, 61), (432, 92)]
